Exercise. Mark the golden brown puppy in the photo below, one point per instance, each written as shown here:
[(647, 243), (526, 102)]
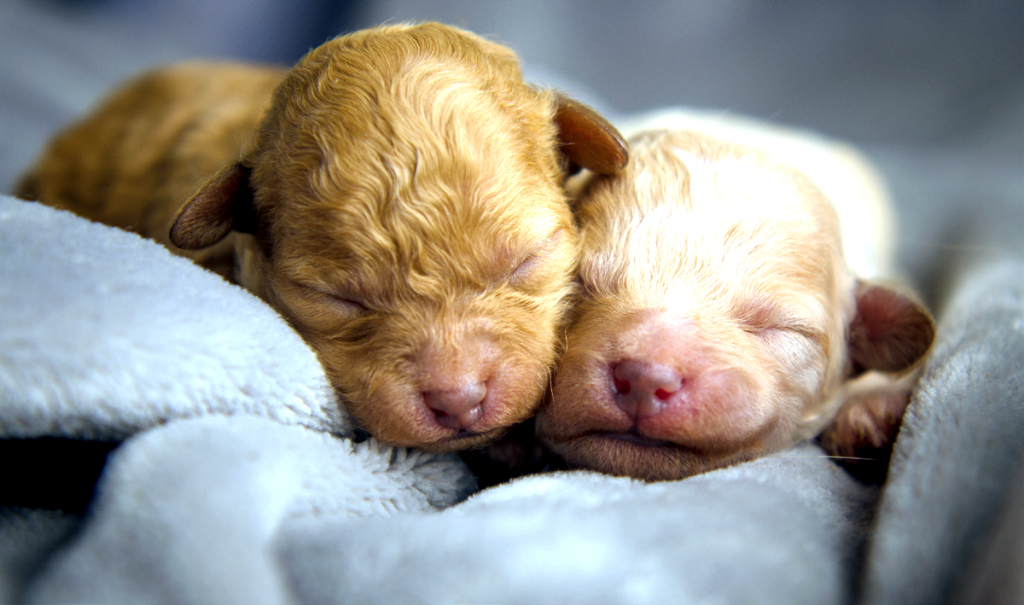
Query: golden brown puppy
[(720, 319), (397, 195)]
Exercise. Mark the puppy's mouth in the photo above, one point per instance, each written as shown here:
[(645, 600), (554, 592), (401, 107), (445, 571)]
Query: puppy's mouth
[(464, 439), (636, 439)]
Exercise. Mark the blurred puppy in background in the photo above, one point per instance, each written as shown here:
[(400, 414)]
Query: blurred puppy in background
[(397, 195), (722, 313)]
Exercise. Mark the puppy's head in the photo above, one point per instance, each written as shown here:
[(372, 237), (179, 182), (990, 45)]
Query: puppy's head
[(405, 194), (717, 318)]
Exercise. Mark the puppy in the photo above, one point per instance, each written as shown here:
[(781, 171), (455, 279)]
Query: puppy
[(397, 196), (721, 315)]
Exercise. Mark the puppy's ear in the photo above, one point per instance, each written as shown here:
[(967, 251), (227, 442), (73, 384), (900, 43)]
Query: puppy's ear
[(587, 139), (890, 331), (222, 205)]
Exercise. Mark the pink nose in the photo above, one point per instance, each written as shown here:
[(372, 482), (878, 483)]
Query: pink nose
[(457, 408), (642, 389)]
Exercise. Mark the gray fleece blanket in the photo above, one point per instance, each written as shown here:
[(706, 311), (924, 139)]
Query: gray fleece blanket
[(233, 475)]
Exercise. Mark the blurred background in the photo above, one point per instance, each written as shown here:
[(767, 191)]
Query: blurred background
[(936, 86)]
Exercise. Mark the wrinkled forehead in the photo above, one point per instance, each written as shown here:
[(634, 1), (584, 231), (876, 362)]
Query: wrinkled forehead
[(707, 218)]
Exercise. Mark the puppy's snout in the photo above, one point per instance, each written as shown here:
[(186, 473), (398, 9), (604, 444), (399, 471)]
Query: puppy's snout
[(457, 408), (458, 379), (642, 389)]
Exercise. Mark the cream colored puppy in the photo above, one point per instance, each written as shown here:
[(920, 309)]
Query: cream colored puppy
[(724, 310)]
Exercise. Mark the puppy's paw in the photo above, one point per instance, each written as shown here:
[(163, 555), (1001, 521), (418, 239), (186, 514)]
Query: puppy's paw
[(862, 435)]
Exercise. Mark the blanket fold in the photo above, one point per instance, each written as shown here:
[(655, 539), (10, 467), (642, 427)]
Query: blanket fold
[(104, 334), (960, 450), (783, 529), (189, 512)]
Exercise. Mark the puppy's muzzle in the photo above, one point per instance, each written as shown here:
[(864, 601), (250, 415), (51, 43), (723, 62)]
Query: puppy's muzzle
[(457, 373)]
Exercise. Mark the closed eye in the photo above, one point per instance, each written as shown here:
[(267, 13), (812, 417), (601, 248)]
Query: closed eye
[(779, 326), (792, 342), (532, 261), (521, 273), (344, 303), (762, 317), (787, 346)]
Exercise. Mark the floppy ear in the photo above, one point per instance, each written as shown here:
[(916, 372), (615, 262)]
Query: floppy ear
[(587, 139), (890, 331), (222, 205)]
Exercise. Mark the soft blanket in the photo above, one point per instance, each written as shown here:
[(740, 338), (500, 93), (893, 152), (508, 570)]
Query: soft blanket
[(234, 476)]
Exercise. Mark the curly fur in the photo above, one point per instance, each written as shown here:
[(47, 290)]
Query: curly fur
[(397, 195)]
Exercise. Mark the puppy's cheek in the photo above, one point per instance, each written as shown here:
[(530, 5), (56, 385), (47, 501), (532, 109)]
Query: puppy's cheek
[(582, 395), (582, 401), (369, 371), (719, 409), (515, 392), (526, 331), (350, 374)]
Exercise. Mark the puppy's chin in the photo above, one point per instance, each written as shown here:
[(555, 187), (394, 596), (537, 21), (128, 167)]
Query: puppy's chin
[(463, 440), (632, 455), (416, 429), (413, 425)]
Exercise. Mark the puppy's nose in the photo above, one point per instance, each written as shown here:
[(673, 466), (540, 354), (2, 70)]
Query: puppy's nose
[(643, 388), (457, 408)]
